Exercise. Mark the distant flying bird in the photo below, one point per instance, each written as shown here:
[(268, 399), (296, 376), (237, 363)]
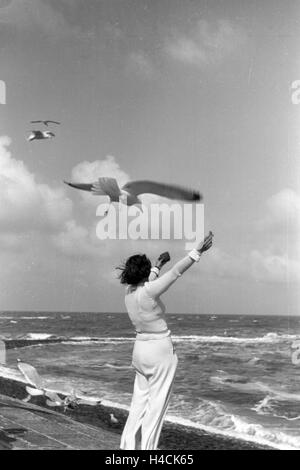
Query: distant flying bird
[(45, 122), (40, 135), (129, 193)]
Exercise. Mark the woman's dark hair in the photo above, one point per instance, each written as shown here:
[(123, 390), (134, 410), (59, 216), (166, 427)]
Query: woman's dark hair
[(135, 270)]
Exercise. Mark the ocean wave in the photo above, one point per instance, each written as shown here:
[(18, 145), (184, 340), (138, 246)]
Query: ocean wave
[(254, 361), (213, 417), (208, 416), (271, 405), (244, 383), (79, 340), (267, 338), (112, 366), (17, 317), (101, 338), (273, 437), (85, 340), (38, 336)]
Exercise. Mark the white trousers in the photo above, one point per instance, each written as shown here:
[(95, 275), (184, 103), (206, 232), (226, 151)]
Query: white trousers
[(155, 362)]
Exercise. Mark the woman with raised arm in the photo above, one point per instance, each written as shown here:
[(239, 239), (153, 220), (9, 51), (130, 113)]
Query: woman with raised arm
[(153, 358)]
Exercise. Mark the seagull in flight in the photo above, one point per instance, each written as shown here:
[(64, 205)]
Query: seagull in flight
[(130, 192), (45, 122), (40, 135)]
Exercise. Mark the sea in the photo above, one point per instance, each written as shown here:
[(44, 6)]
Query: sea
[(236, 374)]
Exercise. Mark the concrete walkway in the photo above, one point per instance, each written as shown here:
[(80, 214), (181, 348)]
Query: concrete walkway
[(29, 427)]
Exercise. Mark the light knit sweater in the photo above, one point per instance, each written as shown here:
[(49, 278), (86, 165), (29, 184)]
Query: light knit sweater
[(144, 306)]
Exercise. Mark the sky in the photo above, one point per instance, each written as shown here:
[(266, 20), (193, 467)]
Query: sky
[(195, 93)]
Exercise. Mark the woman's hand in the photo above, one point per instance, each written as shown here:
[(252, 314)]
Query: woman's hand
[(162, 259), (206, 244)]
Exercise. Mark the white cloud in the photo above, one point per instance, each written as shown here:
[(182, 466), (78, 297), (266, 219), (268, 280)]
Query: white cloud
[(204, 44), (283, 211), (186, 50), (75, 240), (279, 234), (88, 172), (218, 263), (261, 265), (279, 228), (25, 204), (276, 237), (274, 268), (36, 214), (36, 14)]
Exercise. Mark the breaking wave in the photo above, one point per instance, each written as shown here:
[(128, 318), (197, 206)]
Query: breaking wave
[(267, 338)]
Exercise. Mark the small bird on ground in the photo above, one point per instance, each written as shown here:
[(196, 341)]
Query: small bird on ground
[(113, 419)]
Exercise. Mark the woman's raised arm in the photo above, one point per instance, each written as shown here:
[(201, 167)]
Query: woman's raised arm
[(161, 285), (161, 261)]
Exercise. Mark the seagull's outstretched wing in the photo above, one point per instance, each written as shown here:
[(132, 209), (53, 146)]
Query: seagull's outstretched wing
[(35, 135), (107, 187), (30, 374), (161, 189), (46, 122), (82, 186)]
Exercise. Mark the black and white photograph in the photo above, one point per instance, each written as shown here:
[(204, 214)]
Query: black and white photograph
[(149, 227)]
